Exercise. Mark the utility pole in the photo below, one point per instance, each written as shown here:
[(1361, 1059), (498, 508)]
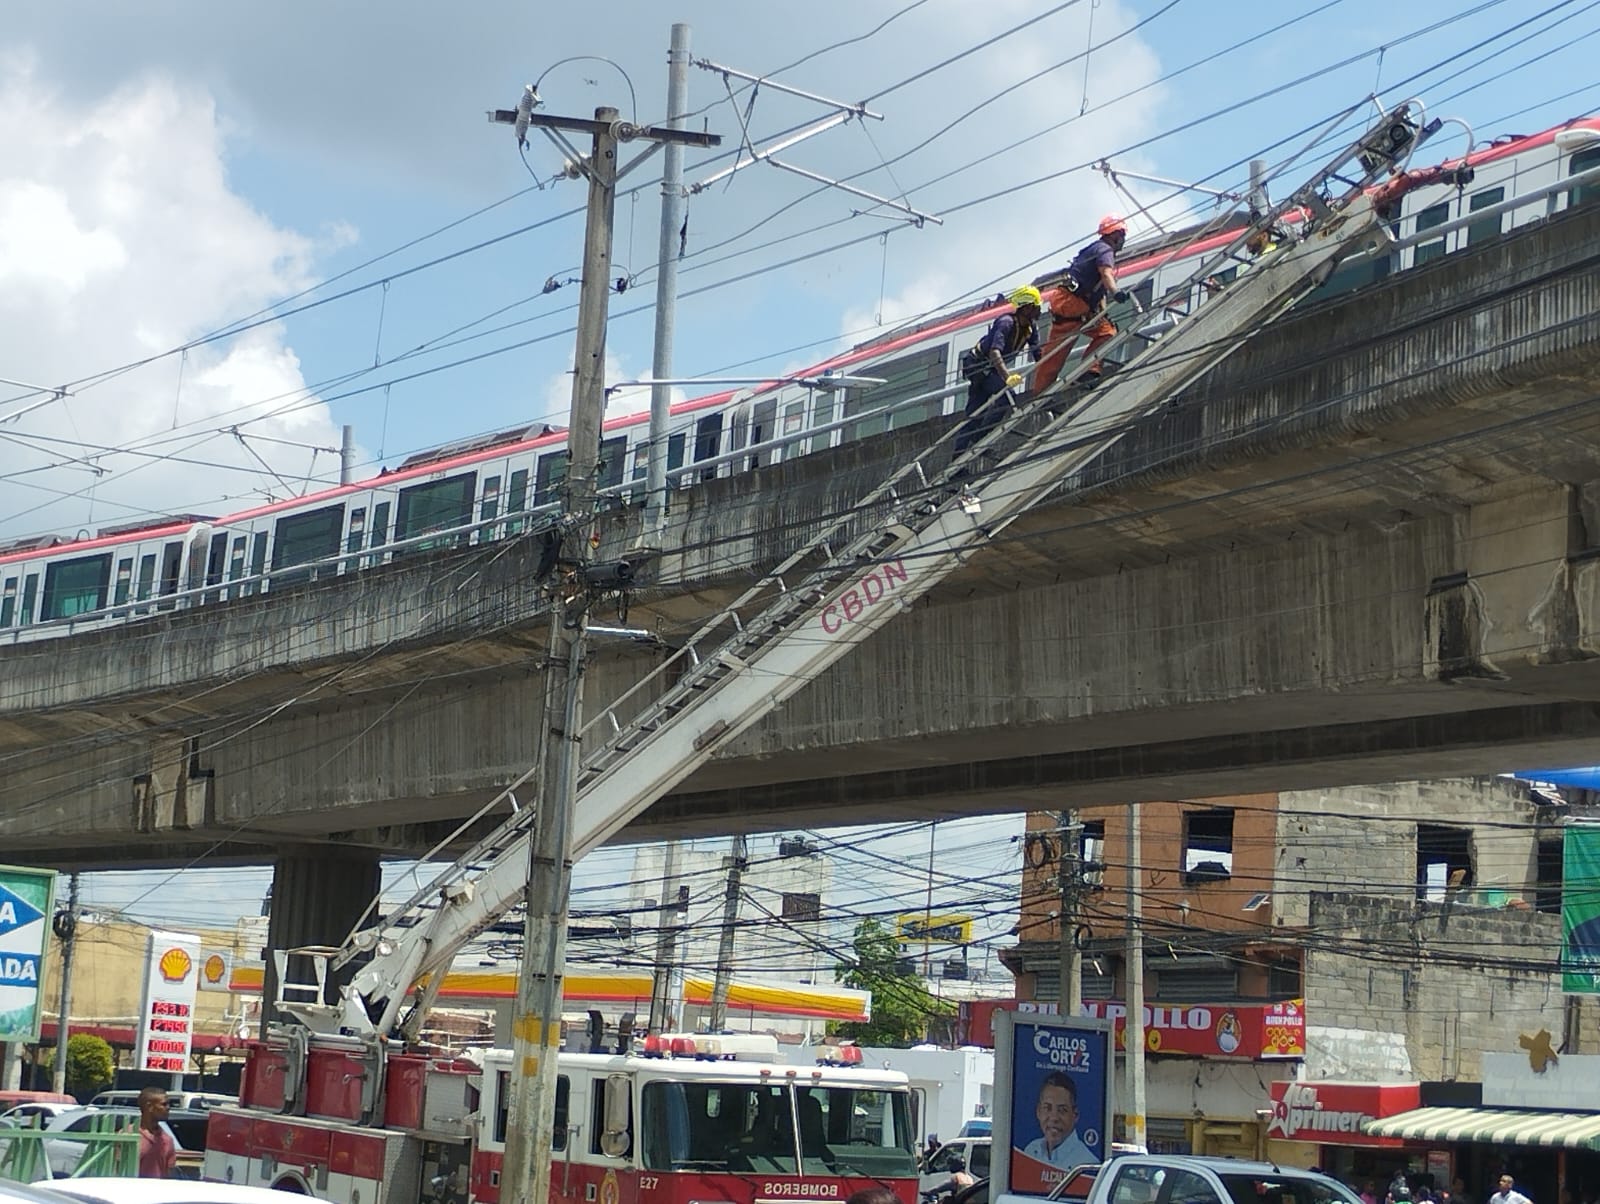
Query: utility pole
[(69, 942), (667, 283), (1133, 1032), (927, 908), (730, 921), (347, 455), (666, 942), (536, 1020), (1069, 880)]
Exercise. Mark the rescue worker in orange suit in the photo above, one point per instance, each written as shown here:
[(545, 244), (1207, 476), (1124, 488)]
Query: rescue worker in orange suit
[(1078, 305), (987, 366)]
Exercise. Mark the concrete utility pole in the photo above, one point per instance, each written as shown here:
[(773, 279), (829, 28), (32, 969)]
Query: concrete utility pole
[(536, 1019), (1133, 1032), (1069, 879), (666, 941), (69, 943), (730, 921), (667, 282)]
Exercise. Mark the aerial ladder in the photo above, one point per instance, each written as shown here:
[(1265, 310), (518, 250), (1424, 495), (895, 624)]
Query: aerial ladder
[(871, 564)]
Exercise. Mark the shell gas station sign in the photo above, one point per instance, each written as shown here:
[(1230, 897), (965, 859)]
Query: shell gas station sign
[(173, 969)]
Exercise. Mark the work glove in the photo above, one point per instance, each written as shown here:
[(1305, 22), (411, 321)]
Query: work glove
[(1013, 380), (1120, 296)]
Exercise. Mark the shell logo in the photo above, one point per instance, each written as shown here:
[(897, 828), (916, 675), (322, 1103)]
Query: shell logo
[(175, 964), (214, 968)]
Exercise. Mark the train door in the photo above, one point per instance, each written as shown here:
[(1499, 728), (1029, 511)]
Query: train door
[(171, 569), (708, 442)]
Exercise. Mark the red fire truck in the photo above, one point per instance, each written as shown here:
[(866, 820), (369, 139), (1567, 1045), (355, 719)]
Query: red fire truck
[(343, 1103), (684, 1119)]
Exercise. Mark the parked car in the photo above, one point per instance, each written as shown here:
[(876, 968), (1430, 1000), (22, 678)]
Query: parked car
[(974, 1151), (187, 1126), (199, 1100), (978, 1126), (1185, 1179), (10, 1099), (38, 1112), (154, 1191), (23, 1193)]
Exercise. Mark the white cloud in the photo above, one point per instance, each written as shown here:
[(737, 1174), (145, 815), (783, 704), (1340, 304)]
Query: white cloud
[(120, 237), (558, 392)]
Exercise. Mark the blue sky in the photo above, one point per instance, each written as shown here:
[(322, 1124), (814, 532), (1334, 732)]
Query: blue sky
[(167, 169)]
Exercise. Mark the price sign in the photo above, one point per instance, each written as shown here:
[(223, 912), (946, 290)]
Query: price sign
[(166, 1017)]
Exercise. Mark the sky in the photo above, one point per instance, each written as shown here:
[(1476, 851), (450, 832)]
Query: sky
[(320, 181)]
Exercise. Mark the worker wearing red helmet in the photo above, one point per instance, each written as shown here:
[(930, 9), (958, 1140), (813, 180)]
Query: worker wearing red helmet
[(1078, 304)]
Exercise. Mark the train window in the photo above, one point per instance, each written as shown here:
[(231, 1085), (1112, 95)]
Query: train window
[(613, 459), (1353, 274), (171, 567), (8, 602), (762, 416), (217, 558), (358, 529), (1583, 161), (124, 581), (708, 437), (30, 591), (380, 524), (304, 538), (641, 461), (258, 559), (147, 576), (548, 475), (435, 506), (490, 506), (73, 587), (908, 376), (1433, 215), (1485, 227), (517, 500), (675, 448)]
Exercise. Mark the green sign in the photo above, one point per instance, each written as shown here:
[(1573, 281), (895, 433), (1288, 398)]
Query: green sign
[(1580, 910), (26, 904)]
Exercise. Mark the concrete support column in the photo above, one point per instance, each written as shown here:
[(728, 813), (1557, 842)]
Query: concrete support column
[(318, 894)]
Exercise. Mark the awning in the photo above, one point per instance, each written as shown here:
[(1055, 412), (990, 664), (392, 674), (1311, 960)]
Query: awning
[(1573, 1130)]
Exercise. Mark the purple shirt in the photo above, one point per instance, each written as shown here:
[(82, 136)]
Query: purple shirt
[(1086, 267)]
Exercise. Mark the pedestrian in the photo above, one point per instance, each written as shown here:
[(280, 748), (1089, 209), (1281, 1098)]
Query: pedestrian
[(1369, 1192), (1458, 1191), (988, 366), (1399, 1189), (1078, 305), (1508, 1193), (158, 1152)]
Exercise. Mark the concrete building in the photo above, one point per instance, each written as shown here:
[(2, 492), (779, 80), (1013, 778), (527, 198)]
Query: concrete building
[(1413, 927)]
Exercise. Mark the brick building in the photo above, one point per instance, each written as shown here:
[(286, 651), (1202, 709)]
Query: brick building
[(1418, 922)]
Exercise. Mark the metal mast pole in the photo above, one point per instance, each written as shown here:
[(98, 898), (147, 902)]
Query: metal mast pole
[(536, 1022), (69, 942), (1069, 879), (1134, 1030), (672, 207), (730, 920), (666, 942), (347, 455)]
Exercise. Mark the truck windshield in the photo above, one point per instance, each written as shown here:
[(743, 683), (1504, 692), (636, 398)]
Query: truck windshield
[(750, 1128)]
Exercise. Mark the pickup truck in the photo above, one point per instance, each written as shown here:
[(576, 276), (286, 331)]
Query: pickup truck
[(1181, 1179)]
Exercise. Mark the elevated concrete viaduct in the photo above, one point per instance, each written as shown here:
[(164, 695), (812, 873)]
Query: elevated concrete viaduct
[(1365, 548)]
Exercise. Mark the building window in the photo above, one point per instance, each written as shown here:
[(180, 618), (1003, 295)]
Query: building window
[(1444, 860), (1433, 215), (1547, 896), (1485, 227), (1284, 980), (1199, 979), (1092, 852), (1208, 845)]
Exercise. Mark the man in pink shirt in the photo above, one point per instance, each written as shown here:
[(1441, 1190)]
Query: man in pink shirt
[(158, 1152)]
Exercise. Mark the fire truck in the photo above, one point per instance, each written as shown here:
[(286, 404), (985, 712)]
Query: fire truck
[(344, 1103)]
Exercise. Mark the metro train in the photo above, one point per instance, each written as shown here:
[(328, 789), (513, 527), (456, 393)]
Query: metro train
[(496, 487)]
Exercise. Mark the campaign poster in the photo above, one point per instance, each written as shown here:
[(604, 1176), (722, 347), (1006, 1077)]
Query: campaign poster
[(1056, 1071), (1580, 910)]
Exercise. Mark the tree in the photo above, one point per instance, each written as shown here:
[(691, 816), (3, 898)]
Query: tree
[(90, 1065), (901, 1005)]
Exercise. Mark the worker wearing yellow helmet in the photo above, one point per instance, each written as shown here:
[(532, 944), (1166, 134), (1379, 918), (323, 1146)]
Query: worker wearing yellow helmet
[(988, 366), (1078, 305)]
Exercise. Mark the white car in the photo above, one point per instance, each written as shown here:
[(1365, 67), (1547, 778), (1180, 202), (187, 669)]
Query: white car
[(23, 1114), (159, 1191)]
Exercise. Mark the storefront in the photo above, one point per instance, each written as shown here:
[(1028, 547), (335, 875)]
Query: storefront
[(1535, 1118), (1327, 1124)]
